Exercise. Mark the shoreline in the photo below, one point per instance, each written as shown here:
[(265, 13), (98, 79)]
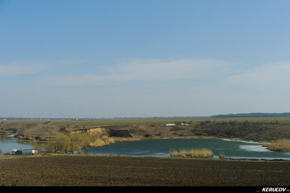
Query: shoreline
[(49, 155), (124, 139), (112, 140), (179, 137)]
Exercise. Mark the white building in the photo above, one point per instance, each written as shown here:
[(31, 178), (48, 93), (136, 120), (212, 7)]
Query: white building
[(170, 124)]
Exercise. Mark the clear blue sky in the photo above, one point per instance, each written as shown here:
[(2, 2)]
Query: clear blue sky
[(112, 58)]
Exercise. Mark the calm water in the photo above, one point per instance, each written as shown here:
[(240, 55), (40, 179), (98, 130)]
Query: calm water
[(161, 148), (7, 145)]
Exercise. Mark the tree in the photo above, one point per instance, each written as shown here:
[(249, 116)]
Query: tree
[(78, 141), (59, 145)]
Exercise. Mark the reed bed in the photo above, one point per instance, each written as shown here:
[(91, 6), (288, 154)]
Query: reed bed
[(282, 145), (192, 153)]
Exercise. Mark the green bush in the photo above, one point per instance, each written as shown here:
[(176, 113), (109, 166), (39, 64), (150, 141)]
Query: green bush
[(68, 143), (59, 145)]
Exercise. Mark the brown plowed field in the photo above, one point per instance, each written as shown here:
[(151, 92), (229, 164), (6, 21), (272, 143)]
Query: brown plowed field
[(81, 170)]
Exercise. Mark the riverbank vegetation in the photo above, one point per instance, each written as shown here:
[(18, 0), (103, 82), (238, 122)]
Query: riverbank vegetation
[(279, 145), (192, 153), (77, 141), (246, 130), (59, 134)]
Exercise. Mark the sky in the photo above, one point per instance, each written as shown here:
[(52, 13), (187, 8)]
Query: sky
[(143, 58)]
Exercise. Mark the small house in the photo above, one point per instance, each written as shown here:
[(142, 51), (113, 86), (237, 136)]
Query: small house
[(170, 124)]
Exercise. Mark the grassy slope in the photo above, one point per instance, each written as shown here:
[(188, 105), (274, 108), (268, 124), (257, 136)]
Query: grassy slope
[(260, 129), (80, 170)]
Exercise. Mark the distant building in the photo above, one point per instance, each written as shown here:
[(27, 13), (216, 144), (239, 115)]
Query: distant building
[(170, 124), (29, 151), (24, 152), (16, 152)]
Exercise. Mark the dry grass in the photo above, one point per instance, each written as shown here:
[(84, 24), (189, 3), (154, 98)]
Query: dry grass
[(193, 153), (279, 145)]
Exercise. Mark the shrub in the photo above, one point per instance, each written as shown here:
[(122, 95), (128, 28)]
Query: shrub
[(222, 155), (193, 153), (59, 144), (78, 141)]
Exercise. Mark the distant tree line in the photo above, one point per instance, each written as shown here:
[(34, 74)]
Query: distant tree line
[(242, 129), (252, 115)]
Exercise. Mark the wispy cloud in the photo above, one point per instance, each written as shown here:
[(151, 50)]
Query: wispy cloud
[(207, 87), (265, 77), (148, 70), (20, 68)]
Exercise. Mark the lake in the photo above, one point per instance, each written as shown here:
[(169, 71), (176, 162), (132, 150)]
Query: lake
[(162, 147), (7, 145)]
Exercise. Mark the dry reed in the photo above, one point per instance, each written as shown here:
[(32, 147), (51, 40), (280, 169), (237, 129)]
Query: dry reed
[(192, 153)]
